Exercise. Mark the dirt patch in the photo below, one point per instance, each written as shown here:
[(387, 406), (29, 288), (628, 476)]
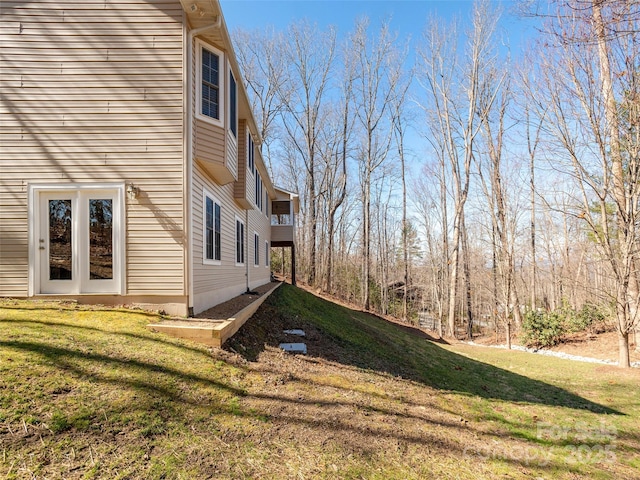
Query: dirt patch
[(632, 373), (339, 399), (229, 308), (266, 328), (602, 346), (327, 399), (223, 311)]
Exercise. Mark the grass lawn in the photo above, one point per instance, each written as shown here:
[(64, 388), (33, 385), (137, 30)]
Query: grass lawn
[(91, 393)]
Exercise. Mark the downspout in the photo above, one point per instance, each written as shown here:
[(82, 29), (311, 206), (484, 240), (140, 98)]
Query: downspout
[(189, 87), (246, 258)]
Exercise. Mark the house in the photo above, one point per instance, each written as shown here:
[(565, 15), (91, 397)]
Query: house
[(130, 167)]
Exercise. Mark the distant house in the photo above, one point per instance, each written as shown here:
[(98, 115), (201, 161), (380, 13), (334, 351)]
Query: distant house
[(130, 167)]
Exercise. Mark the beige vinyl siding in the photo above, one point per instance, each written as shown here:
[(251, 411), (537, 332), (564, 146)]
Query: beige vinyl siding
[(92, 92), (239, 185), (282, 233), (210, 150), (232, 154), (213, 284), (250, 185), (14, 252), (258, 223), (214, 150)]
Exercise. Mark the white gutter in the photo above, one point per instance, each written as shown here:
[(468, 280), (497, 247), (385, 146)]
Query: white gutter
[(189, 153)]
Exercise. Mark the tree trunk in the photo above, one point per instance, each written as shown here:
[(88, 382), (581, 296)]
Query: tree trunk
[(623, 350), (533, 277), (405, 247), (467, 280), (445, 259), (494, 277), (453, 280), (366, 244), (619, 191), (313, 221), (330, 234)]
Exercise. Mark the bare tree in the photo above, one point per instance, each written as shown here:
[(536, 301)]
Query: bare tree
[(310, 56), (453, 86), (534, 116), (533, 140), (260, 57), (399, 130), (334, 177), (495, 103), (430, 201), (378, 65), (594, 87)]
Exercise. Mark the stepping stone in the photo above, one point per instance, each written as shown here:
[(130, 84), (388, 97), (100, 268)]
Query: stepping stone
[(295, 331), (294, 348)]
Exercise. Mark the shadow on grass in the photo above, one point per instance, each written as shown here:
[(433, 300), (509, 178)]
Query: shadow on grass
[(72, 306), (162, 393), (82, 364), (153, 414), (349, 337), (150, 337)]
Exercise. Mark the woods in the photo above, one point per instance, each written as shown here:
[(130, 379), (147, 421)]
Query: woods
[(446, 183)]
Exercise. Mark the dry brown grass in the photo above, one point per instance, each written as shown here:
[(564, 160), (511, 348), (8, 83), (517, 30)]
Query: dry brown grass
[(89, 393)]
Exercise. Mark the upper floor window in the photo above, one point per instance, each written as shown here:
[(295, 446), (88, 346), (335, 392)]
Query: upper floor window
[(233, 106), (251, 165), (211, 83), (258, 191)]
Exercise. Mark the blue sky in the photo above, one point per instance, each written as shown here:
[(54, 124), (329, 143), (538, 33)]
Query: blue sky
[(408, 17)]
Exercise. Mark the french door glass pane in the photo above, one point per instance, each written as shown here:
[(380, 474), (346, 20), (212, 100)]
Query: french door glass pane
[(100, 239), (60, 247)]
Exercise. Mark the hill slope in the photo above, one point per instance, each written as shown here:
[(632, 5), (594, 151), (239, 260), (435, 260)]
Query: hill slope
[(89, 393)]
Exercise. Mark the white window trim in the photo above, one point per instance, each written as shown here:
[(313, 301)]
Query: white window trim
[(235, 242), (223, 82), (119, 227), (205, 260)]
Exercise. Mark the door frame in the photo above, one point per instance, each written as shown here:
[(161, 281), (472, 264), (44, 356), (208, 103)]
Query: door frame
[(36, 222)]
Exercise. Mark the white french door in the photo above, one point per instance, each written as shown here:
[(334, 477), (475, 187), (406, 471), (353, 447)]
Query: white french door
[(78, 241)]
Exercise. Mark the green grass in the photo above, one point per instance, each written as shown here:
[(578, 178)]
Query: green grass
[(91, 393)]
